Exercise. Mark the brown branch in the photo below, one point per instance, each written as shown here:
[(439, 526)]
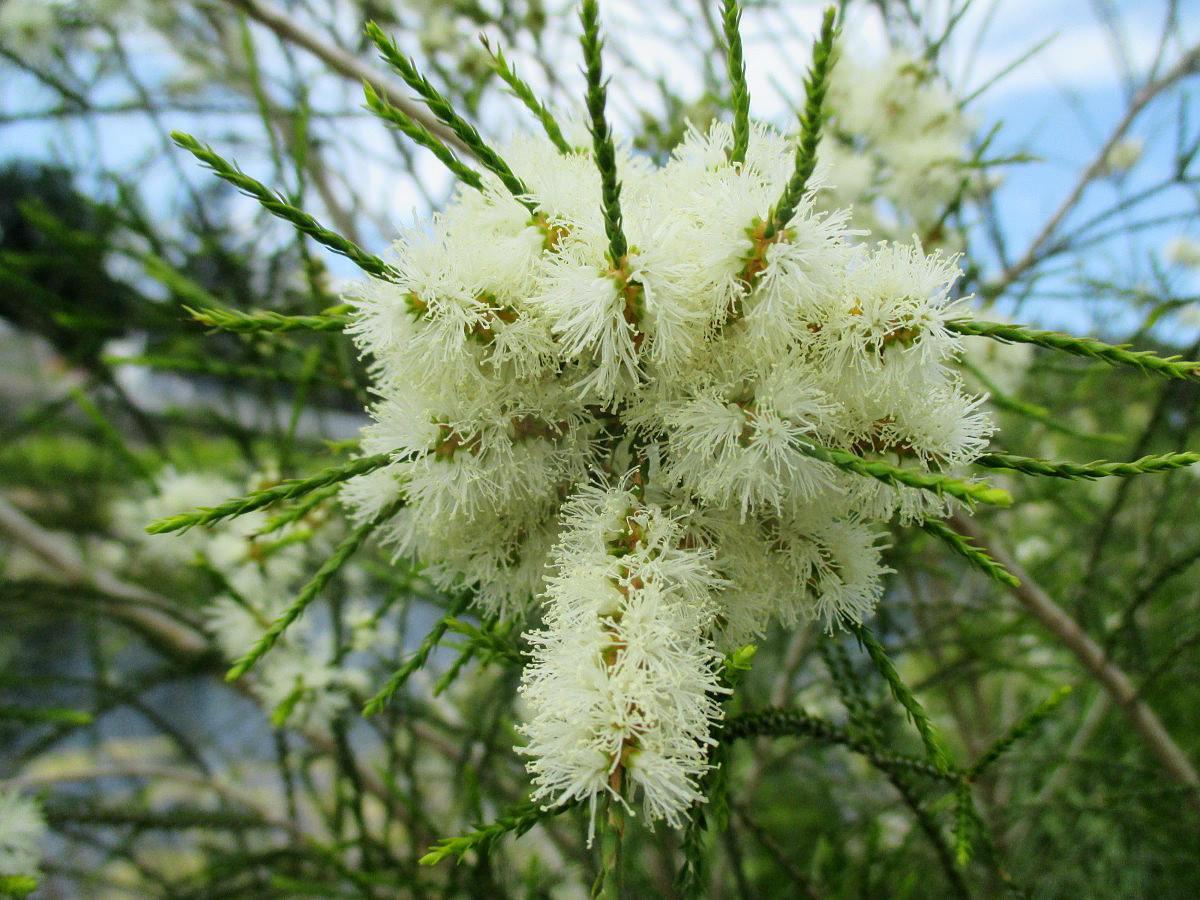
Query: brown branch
[(344, 63), (128, 605), (1114, 680), (1189, 64)]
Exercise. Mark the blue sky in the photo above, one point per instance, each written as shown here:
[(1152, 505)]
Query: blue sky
[(1059, 106)]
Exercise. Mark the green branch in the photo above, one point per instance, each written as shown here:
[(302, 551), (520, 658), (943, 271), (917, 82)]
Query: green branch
[(731, 17), (278, 205), (1147, 465), (287, 490), (523, 92), (778, 722), (418, 659), (517, 820), (967, 491), (419, 134), (815, 86), (265, 320), (905, 697), (347, 548), (1022, 728), (492, 643), (1113, 354), (602, 142), (441, 108), (972, 554)]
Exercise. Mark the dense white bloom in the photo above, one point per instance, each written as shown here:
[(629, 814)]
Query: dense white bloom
[(634, 439), (21, 831), (623, 680)]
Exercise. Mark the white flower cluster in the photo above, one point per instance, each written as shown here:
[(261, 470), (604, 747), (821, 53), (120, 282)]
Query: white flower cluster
[(646, 428), (258, 576), (623, 681), (895, 146)]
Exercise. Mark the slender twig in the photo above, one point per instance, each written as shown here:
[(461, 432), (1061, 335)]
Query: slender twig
[(1118, 685), (967, 491), (1187, 65), (286, 27), (1113, 354), (287, 490), (815, 86), (1147, 465)]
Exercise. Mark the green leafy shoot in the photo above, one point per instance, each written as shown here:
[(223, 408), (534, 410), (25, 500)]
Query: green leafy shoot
[(602, 142), (287, 490), (419, 134), (731, 17), (1113, 354), (278, 205), (515, 821), (265, 320), (1147, 465), (441, 108), (916, 713), (523, 92), (968, 491), (815, 87), (972, 554), (347, 548)]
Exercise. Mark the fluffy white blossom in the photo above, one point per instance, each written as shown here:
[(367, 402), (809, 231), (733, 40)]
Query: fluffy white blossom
[(634, 440), (622, 682)]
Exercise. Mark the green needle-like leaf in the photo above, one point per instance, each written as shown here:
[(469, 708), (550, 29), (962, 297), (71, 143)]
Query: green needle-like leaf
[(287, 490), (278, 205)]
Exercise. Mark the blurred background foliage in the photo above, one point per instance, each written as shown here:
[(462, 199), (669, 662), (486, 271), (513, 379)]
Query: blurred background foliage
[(158, 779)]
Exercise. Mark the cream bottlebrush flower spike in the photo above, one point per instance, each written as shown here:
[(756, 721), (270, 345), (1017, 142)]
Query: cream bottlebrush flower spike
[(684, 392)]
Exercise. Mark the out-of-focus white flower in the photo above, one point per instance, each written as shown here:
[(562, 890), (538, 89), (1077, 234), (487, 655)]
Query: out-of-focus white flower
[(1123, 155), (28, 26), (896, 147), (1182, 251), (260, 574), (21, 831)]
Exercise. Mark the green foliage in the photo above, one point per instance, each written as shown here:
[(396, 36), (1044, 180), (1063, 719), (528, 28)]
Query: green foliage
[(818, 785), (312, 590), (976, 557), (969, 491), (266, 320), (1098, 469), (731, 17), (934, 747), (1114, 355), (603, 149), (286, 490), (421, 135), (516, 821), (445, 114), (278, 205), (523, 92), (815, 86)]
